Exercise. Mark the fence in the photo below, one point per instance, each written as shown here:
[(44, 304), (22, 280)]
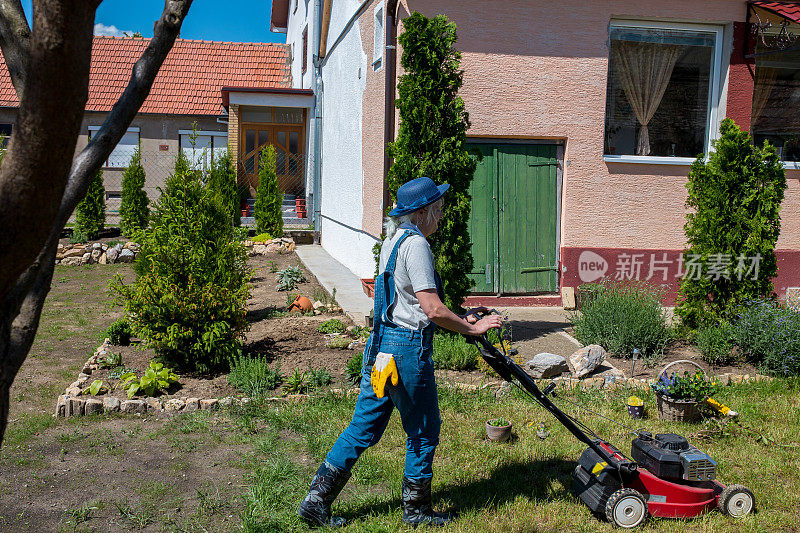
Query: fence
[(159, 166)]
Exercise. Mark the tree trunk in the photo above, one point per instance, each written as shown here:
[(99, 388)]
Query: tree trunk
[(38, 174)]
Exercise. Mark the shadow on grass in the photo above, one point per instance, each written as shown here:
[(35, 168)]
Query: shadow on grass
[(504, 484), (265, 313)]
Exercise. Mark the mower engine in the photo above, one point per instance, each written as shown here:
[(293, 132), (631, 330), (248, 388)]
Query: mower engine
[(670, 456)]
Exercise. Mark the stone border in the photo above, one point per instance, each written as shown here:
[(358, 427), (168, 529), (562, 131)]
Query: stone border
[(97, 252), (72, 402)]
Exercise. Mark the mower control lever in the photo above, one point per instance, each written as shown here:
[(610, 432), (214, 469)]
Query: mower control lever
[(550, 389)]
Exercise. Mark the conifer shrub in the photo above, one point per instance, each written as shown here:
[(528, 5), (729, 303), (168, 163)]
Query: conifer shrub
[(734, 200), (188, 301), (267, 209), (90, 213), (134, 209), (222, 180), (431, 141)]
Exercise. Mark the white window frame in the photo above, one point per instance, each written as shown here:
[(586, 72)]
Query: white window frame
[(378, 25), (132, 129), (714, 92), (211, 134)]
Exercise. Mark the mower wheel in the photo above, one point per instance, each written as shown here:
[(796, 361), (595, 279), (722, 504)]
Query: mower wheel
[(626, 508), (736, 501)]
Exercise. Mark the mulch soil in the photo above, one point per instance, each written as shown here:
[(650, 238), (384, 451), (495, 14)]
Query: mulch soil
[(290, 341)]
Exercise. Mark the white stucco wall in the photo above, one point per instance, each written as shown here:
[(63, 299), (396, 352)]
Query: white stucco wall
[(344, 79), (298, 20)]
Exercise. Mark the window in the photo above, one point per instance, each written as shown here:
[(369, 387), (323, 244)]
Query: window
[(661, 98), (5, 134), (207, 146), (120, 157), (305, 49), (377, 49)]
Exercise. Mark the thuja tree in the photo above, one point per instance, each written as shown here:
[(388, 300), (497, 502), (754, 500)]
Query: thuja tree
[(222, 180), (431, 141), (267, 209), (188, 301), (90, 214), (134, 210), (732, 227)]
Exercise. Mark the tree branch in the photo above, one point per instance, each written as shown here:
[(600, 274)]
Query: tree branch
[(15, 41)]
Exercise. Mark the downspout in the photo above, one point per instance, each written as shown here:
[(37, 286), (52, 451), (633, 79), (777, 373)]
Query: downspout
[(389, 94), (318, 93)]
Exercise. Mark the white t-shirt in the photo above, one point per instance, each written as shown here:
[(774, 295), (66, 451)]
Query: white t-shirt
[(414, 271)]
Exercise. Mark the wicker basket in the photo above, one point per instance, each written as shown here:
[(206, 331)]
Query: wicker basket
[(678, 410)]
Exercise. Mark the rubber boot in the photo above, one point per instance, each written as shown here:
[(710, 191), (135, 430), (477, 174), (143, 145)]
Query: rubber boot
[(325, 487), (417, 507)]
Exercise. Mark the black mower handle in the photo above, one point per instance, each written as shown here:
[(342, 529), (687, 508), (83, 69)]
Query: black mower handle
[(509, 370)]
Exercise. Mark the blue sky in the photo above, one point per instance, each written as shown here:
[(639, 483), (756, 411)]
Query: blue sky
[(231, 20)]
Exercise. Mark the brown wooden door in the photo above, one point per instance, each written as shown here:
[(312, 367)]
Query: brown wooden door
[(289, 159)]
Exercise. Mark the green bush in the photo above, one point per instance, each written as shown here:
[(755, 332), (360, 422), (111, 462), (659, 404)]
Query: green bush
[(119, 332), (288, 278), (156, 379), (716, 343), (269, 197), (78, 236), (319, 377), (253, 376), (298, 382), (431, 141), (188, 301), (453, 352), (263, 237), (734, 201), (222, 180), (769, 336), (134, 209), (90, 214), (621, 317)]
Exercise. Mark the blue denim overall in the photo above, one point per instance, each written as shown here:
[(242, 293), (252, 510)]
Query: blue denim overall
[(414, 396)]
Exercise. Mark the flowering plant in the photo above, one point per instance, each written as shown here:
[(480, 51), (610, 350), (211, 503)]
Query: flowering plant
[(693, 387)]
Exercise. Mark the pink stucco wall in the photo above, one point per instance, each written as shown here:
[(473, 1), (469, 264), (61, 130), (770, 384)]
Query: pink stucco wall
[(535, 69)]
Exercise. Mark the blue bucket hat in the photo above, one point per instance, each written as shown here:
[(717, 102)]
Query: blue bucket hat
[(416, 194)]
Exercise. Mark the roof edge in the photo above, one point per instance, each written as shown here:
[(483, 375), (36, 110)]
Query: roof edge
[(226, 92)]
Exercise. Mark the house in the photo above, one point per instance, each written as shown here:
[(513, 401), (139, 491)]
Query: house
[(588, 115), (208, 97)]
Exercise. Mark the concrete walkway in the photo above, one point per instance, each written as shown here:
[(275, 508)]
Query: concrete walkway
[(331, 274)]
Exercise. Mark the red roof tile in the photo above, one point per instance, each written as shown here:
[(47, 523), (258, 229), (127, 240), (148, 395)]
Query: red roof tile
[(790, 10), (189, 81)]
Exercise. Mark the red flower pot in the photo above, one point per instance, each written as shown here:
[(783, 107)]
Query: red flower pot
[(368, 284)]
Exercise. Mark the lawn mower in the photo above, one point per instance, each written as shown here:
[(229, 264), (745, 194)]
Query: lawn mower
[(665, 476)]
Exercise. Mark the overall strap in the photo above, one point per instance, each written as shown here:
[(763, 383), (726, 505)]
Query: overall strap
[(390, 263)]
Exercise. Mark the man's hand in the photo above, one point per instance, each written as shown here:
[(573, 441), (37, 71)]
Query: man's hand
[(488, 322), (474, 314)]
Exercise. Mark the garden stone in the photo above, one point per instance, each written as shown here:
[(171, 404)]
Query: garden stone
[(111, 404), (318, 305), (71, 261), (83, 378), (585, 360), (724, 379), (133, 406), (209, 405), (274, 247), (96, 254), (248, 244), (87, 258), (104, 247), (60, 248), (87, 370), (75, 407), (174, 405), (125, 256), (97, 246), (93, 407), (593, 383), (154, 405), (103, 259), (61, 406), (192, 404), (111, 254), (72, 392), (78, 251), (546, 365), (130, 245), (259, 249), (226, 402)]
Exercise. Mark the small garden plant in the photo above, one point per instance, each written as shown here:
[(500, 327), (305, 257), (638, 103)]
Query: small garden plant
[(334, 325), (90, 214), (297, 383), (498, 422), (353, 368), (262, 237), (119, 332), (691, 387), (621, 317), (289, 277), (252, 375), (156, 379), (451, 351)]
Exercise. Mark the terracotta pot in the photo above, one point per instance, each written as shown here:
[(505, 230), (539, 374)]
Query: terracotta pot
[(498, 433), (368, 284), (302, 304)]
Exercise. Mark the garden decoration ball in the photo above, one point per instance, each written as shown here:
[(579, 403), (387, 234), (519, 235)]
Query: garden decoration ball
[(302, 304)]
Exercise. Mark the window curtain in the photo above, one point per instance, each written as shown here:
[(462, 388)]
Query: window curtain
[(644, 70), (764, 82)]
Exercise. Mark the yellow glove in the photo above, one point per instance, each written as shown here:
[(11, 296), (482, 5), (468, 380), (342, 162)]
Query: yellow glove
[(383, 369), (721, 408)]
